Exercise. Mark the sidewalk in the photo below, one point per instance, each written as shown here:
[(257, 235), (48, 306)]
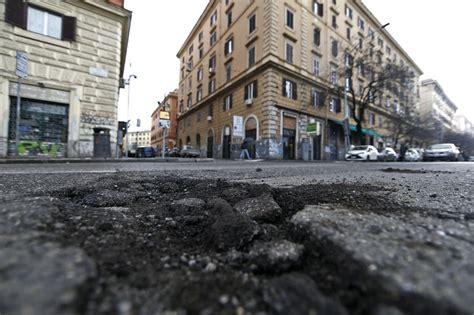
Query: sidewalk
[(102, 160)]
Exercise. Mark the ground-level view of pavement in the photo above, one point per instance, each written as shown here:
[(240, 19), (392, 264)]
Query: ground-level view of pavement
[(237, 238)]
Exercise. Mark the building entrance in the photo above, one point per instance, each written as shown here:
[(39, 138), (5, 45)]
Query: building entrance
[(43, 128)]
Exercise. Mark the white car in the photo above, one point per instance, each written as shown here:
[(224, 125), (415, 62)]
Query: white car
[(362, 153), (412, 155)]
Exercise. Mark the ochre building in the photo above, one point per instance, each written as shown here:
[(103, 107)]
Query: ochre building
[(258, 70)]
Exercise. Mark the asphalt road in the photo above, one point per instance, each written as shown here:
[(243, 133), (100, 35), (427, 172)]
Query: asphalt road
[(325, 237)]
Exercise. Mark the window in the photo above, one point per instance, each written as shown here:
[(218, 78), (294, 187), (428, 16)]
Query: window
[(210, 110), (199, 95), (229, 46), (335, 105), (317, 36), (212, 63), (214, 18), (289, 53), (201, 52), (388, 50), (317, 98), (227, 103), (252, 23), (333, 74), (334, 21), (251, 56), (361, 23), (380, 42), (200, 36), (229, 18), (190, 50), (334, 48), (380, 121), (44, 22), (190, 84), (213, 39), (36, 19), (387, 104), (212, 86), (371, 119), (199, 74), (190, 101), (348, 33), (316, 66), (289, 89), (371, 33), (250, 90), (349, 12), (290, 16), (317, 8), (361, 43), (228, 72)]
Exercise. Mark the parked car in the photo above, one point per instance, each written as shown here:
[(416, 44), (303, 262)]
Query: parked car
[(172, 152), (413, 155), (190, 152), (442, 151), (388, 155), (362, 153), (145, 152)]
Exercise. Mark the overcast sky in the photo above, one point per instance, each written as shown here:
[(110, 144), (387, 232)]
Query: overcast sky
[(435, 33)]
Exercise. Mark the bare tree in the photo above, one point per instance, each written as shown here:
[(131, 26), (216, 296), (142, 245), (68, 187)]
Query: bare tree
[(374, 78)]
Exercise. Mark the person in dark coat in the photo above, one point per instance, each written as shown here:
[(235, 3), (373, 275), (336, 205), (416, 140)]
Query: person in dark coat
[(244, 150)]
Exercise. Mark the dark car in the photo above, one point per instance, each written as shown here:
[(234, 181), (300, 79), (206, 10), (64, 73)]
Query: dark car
[(190, 152), (145, 152), (173, 152)]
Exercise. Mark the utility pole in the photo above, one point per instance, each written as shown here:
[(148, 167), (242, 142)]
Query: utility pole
[(132, 76)]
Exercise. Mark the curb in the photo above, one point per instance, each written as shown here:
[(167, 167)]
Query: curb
[(92, 160)]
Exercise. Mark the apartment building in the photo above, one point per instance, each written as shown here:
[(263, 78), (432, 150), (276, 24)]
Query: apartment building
[(75, 53), (136, 139), (159, 133), (269, 71), (463, 125), (436, 109)]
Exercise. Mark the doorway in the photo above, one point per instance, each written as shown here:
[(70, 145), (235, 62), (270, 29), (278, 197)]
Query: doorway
[(289, 137), (251, 136), (210, 144), (226, 143)]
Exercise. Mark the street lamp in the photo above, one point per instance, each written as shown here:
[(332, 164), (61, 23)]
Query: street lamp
[(347, 60), (127, 82)]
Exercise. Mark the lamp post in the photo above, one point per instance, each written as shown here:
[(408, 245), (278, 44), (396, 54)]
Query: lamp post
[(132, 76), (347, 78)]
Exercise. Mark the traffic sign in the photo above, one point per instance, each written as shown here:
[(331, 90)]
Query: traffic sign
[(21, 65), (164, 123), (164, 115)]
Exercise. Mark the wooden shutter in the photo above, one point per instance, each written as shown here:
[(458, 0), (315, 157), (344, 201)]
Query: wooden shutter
[(295, 93), (15, 13), (246, 92), (255, 89), (230, 104), (283, 84), (320, 9), (69, 28)]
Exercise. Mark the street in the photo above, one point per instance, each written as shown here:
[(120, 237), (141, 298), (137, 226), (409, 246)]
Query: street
[(237, 237)]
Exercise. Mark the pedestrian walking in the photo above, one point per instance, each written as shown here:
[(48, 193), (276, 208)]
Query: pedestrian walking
[(244, 150)]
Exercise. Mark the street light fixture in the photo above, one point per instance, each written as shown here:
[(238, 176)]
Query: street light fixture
[(347, 58), (130, 77)]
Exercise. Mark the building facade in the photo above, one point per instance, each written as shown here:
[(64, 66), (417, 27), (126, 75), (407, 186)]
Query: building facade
[(160, 133), (463, 125), (75, 51), (264, 71), (135, 139), (436, 109)]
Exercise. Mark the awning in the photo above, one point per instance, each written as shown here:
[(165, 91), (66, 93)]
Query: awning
[(365, 131)]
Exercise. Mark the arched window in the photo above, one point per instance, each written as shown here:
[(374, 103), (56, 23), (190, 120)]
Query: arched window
[(198, 140)]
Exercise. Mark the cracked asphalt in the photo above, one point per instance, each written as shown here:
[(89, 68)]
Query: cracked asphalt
[(233, 237)]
